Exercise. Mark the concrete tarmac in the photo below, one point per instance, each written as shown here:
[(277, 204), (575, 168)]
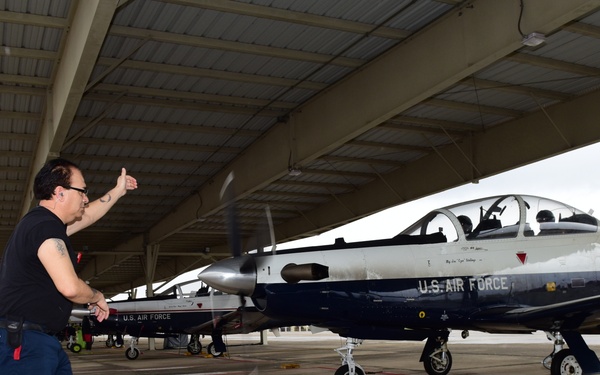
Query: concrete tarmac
[(303, 353)]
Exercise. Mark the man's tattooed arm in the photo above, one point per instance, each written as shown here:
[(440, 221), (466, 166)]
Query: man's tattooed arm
[(60, 246), (94, 298), (106, 200)]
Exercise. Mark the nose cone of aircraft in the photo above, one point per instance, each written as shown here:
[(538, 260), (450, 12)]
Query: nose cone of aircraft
[(232, 275)]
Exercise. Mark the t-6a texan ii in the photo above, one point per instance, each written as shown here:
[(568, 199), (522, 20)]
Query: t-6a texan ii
[(506, 264)]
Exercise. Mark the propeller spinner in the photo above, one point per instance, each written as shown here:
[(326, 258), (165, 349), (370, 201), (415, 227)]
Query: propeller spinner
[(233, 275)]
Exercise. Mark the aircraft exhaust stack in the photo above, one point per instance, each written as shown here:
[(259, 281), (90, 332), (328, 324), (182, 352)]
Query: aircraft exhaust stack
[(233, 275), (293, 273)]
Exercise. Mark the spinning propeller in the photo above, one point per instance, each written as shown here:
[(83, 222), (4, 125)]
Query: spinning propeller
[(245, 265)]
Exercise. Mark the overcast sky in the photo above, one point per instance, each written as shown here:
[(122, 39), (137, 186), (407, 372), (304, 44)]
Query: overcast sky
[(572, 178)]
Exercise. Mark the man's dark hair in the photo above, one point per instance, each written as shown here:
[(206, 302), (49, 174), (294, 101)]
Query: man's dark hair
[(56, 172)]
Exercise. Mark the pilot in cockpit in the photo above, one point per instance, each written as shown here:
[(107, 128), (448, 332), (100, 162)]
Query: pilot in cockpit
[(466, 223), (545, 216)]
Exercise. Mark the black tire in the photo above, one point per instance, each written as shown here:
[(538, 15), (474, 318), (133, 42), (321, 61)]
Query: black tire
[(132, 353), (565, 363), (344, 370), (439, 364), (211, 350), (194, 347), (110, 341), (75, 348)]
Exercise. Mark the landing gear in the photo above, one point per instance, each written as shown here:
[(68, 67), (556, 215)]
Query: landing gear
[(212, 350), (217, 347), (564, 363), (194, 347), (349, 367), (345, 370), (436, 357), (579, 359), (559, 344), (132, 352)]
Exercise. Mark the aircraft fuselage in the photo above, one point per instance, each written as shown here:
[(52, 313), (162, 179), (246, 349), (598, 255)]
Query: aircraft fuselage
[(434, 274)]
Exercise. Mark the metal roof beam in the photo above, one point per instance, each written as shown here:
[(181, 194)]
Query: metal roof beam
[(83, 42), (158, 145), (213, 74), (184, 104), (545, 62), (193, 96), (225, 45), (33, 19), (289, 16), (583, 29), (421, 122), (472, 107), (483, 84), (176, 128)]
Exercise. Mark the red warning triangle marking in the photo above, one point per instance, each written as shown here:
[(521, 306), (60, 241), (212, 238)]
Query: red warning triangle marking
[(522, 257)]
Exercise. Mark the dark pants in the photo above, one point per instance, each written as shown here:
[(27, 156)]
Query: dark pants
[(41, 354)]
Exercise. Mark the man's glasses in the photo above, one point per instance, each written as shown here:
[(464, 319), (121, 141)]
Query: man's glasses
[(84, 190)]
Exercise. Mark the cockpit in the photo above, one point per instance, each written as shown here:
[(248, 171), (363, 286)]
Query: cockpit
[(504, 217)]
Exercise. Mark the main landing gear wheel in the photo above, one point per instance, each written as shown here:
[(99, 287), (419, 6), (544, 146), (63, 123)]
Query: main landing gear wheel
[(212, 351), (565, 363), (344, 370), (438, 362), (194, 347)]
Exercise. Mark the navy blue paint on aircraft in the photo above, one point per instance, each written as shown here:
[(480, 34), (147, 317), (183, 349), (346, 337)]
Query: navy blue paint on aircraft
[(203, 313), (506, 264)]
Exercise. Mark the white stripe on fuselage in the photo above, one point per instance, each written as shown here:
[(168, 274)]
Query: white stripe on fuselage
[(541, 254), (219, 302)]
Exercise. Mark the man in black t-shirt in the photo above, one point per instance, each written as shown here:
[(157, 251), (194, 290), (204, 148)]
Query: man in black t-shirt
[(38, 283)]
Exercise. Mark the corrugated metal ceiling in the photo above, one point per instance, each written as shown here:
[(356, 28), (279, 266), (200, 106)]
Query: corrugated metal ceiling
[(181, 92)]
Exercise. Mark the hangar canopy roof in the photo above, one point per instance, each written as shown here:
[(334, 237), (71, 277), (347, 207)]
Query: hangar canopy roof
[(368, 103)]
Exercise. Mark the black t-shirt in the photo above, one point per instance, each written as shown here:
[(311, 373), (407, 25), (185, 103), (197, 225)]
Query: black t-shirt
[(26, 289)]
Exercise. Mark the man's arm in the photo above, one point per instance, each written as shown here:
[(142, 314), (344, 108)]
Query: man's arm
[(54, 256), (98, 208)]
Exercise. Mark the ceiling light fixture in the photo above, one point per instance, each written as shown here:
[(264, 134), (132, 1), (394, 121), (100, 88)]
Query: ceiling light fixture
[(533, 39), (294, 171)]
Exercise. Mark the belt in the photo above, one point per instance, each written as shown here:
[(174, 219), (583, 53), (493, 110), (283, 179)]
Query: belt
[(27, 326)]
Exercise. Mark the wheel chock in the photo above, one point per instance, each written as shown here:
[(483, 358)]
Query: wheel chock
[(290, 365)]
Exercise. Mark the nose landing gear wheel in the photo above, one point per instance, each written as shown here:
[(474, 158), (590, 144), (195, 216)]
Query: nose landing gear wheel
[(344, 370), (132, 353), (439, 362), (565, 363)]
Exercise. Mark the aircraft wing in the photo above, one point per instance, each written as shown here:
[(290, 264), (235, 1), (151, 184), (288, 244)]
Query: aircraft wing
[(578, 314)]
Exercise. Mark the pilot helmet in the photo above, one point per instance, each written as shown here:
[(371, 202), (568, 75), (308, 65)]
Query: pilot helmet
[(466, 223), (545, 216)]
